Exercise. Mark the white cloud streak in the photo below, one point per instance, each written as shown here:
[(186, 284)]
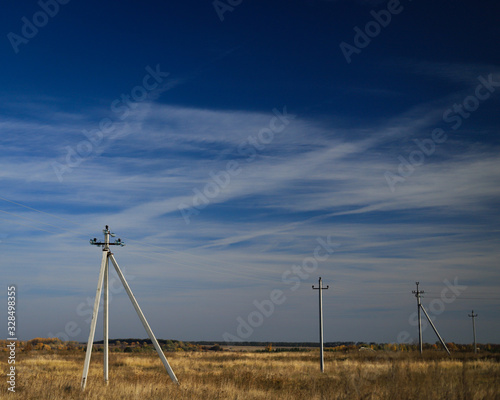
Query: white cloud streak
[(314, 179)]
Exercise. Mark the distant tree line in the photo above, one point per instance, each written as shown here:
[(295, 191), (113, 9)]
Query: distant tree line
[(133, 345)]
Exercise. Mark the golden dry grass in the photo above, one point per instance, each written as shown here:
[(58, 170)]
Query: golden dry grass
[(248, 375)]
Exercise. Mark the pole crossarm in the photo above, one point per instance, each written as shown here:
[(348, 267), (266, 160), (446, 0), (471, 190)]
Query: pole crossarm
[(102, 286), (417, 292), (320, 286), (107, 243)]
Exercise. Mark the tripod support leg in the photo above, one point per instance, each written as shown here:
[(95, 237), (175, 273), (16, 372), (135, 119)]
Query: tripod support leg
[(143, 320), (90, 342)]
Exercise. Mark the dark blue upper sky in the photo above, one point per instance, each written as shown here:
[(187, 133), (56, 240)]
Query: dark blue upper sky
[(263, 139), (262, 53)]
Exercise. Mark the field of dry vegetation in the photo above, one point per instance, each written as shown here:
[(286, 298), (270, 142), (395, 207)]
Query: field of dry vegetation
[(258, 375)]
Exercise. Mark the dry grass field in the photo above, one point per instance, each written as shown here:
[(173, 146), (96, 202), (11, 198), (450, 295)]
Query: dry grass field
[(253, 375)]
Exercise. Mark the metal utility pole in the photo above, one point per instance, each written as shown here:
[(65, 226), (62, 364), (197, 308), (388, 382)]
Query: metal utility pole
[(320, 288), (473, 316), (103, 280), (417, 294)]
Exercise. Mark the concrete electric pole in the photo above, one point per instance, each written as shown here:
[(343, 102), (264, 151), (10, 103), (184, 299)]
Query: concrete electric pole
[(473, 316), (417, 294), (320, 288), (421, 307), (103, 279)]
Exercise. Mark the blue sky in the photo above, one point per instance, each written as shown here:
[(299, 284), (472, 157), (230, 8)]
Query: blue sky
[(243, 149)]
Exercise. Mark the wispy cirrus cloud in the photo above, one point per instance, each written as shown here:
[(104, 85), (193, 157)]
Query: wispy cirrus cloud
[(315, 178)]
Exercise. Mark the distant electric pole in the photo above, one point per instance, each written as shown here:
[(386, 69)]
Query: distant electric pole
[(417, 294), (320, 288), (473, 316), (421, 307)]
